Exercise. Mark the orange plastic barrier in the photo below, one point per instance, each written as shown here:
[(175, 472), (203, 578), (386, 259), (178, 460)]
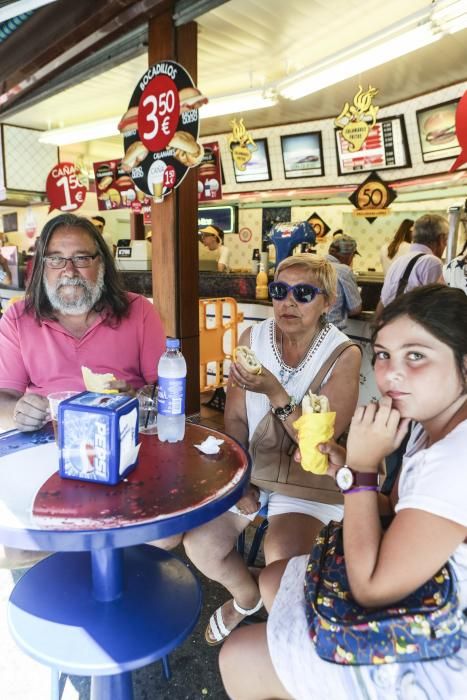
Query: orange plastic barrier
[(218, 336)]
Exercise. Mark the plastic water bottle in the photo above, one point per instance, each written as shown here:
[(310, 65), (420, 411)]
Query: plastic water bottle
[(171, 393)]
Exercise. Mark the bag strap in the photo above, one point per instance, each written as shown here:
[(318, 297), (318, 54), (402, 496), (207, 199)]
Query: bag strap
[(405, 277), (336, 353)]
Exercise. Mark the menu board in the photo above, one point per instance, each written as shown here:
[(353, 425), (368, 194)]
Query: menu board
[(258, 167), (437, 131), (385, 147), (223, 217), (115, 189), (302, 155)]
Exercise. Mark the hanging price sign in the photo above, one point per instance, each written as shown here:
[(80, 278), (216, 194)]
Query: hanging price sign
[(161, 128), (64, 188)]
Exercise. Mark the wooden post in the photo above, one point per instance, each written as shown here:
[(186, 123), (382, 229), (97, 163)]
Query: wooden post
[(174, 223)]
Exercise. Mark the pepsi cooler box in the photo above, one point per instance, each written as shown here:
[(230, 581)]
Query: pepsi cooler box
[(98, 437)]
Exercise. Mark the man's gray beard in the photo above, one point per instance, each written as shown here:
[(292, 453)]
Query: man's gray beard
[(91, 294)]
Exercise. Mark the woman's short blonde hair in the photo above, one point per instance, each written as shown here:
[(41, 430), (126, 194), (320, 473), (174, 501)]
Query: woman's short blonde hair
[(321, 269)]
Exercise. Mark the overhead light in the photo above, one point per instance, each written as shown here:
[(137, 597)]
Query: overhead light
[(239, 103), (227, 104), (81, 132), (14, 9), (359, 58), (450, 16)]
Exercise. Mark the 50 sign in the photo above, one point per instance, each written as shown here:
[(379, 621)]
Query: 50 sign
[(372, 198), (158, 112), (64, 188)]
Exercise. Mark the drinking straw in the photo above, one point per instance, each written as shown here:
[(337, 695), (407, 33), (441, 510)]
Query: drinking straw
[(152, 399)]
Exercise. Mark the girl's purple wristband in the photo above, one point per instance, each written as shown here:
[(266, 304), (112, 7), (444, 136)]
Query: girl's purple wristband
[(361, 488)]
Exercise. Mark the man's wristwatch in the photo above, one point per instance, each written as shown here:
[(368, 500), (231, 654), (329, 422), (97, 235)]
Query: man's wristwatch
[(283, 412), (347, 478)]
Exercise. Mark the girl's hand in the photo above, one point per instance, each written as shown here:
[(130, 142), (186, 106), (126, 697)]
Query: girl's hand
[(249, 503), (335, 452), (376, 430), (264, 383)]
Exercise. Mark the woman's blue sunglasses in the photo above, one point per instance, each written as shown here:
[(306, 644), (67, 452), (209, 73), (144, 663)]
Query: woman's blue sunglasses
[(303, 293)]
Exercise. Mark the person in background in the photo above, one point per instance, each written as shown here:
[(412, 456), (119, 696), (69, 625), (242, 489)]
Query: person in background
[(430, 233), (420, 346), (99, 223), (212, 237), (5, 273), (75, 313), (348, 302), (400, 244), (455, 272), (337, 232)]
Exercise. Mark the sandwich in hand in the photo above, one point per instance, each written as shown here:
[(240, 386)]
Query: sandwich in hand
[(135, 154), (98, 383), (187, 150), (315, 425), (247, 359), (191, 98)]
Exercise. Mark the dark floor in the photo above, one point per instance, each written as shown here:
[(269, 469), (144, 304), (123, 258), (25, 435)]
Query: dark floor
[(195, 673)]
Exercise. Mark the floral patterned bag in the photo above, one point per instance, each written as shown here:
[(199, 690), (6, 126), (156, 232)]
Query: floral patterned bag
[(424, 625)]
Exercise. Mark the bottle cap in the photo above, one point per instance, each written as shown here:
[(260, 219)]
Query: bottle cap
[(172, 343)]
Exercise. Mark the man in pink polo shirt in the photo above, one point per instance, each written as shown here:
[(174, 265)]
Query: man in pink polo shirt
[(75, 313)]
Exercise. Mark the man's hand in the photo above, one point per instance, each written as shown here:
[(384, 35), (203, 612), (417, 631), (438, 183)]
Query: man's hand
[(31, 412), (249, 503), (122, 387)]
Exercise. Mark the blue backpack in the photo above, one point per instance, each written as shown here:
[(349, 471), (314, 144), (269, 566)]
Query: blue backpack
[(424, 625)]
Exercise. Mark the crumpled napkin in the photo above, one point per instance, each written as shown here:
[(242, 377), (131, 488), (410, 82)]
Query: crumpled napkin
[(210, 446)]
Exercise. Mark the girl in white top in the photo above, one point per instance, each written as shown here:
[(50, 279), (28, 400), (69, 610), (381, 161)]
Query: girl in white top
[(400, 245), (421, 369)]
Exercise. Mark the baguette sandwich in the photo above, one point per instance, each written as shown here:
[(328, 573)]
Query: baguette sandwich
[(315, 425)]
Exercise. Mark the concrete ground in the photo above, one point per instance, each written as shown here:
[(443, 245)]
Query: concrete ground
[(195, 674)]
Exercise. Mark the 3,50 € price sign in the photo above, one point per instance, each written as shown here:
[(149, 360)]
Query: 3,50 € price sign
[(158, 113), (64, 188)]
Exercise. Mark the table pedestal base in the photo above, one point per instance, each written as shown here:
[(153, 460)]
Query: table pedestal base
[(55, 617)]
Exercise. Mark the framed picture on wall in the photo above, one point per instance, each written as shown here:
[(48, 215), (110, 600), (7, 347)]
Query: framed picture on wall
[(437, 131), (302, 155), (258, 168), (385, 147)]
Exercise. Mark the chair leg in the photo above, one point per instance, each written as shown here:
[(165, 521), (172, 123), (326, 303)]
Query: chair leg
[(255, 545), (166, 668)]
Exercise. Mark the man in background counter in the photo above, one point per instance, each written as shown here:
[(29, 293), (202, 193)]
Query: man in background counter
[(213, 238), (75, 313), (99, 223), (348, 302), (422, 264)]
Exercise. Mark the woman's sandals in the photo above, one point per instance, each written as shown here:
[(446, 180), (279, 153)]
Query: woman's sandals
[(216, 631)]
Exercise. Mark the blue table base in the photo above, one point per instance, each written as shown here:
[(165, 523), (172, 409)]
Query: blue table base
[(55, 617)]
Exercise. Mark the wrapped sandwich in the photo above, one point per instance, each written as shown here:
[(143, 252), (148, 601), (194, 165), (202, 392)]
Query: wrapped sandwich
[(247, 359), (98, 383), (315, 425)]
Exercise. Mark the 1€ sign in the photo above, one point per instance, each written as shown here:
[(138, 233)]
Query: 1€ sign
[(64, 187)]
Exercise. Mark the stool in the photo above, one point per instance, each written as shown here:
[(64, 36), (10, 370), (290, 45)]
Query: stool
[(258, 536), (55, 618)]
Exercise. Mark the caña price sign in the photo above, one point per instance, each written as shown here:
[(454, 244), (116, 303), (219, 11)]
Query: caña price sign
[(64, 188), (161, 128)]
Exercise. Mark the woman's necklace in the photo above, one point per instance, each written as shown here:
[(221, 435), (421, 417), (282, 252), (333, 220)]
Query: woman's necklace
[(286, 373)]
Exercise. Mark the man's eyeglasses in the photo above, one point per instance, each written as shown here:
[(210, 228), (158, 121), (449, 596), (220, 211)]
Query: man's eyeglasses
[(57, 262), (303, 293)]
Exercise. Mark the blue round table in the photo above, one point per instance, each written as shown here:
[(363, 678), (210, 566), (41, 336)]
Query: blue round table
[(105, 604)]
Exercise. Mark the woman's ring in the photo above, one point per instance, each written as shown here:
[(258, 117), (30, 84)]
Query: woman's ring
[(244, 387)]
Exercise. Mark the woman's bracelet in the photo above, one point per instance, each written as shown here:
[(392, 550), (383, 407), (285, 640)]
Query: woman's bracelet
[(362, 488)]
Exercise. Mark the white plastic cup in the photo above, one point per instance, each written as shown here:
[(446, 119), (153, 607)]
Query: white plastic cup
[(55, 398)]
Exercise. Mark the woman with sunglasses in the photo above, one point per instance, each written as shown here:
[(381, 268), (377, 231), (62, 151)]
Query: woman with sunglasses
[(420, 362), (292, 347)]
